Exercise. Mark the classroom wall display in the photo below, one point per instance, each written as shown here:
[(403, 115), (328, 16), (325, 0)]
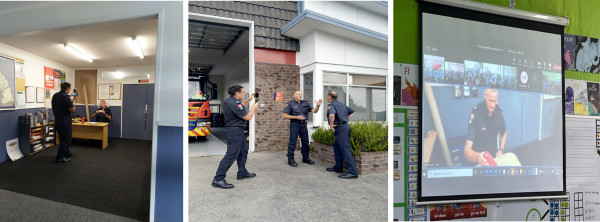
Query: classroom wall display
[(406, 84), (39, 94), (109, 91), (581, 54), (30, 94), (48, 77), (7, 83)]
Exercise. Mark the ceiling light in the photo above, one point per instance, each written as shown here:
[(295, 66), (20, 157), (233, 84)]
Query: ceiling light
[(135, 44), (78, 52), (148, 74), (118, 75)]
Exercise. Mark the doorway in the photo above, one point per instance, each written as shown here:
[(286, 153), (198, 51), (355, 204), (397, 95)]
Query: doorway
[(221, 54)]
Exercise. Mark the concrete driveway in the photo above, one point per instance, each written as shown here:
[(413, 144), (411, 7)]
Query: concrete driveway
[(280, 192)]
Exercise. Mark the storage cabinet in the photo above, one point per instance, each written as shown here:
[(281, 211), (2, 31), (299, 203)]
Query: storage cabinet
[(35, 137)]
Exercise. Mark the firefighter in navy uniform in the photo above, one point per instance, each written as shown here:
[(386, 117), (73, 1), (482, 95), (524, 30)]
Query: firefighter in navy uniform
[(237, 146), (338, 115), (297, 112), (62, 107), (485, 124)]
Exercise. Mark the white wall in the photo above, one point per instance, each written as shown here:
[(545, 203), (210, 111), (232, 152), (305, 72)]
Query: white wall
[(170, 63), (238, 75), (132, 75), (350, 13), (307, 53), (34, 69), (333, 49)]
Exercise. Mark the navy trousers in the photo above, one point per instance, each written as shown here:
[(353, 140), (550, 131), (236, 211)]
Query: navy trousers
[(342, 150), (295, 129), (237, 150), (65, 133)]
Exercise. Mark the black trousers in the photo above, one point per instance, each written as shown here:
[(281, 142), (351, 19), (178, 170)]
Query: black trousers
[(65, 133), (237, 150)]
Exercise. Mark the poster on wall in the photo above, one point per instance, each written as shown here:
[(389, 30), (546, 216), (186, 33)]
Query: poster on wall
[(39, 93), (12, 149), (63, 76), (30, 94), (576, 97), (20, 99), (7, 82), (409, 80), (103, 91), (593, 95), (581, 54), (48, 77), (115, 91)]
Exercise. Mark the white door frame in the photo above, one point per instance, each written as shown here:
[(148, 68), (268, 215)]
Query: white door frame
[(251, 83)]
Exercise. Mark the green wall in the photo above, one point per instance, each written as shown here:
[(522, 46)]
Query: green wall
[(584, 17)]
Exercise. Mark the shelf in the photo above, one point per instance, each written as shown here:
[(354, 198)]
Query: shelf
[(41, 150)]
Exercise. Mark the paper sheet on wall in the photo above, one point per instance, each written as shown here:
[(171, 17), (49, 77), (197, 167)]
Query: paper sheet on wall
[(103, 91), (39, 93), (30, 94), (12, 149), (582, 158), (20, 99), (115, 92)]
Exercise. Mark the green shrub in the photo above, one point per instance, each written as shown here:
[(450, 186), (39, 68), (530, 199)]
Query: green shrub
[(324, 136), (368, 136), (365, 136)]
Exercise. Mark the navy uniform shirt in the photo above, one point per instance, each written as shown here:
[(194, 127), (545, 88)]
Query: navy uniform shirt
[(341, 112), (101, 117), (295, 108), (234, 112), (61, 103), (484, 129)]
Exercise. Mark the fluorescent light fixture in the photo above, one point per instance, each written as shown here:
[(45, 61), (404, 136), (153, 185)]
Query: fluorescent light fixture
[(78, 52), (118, 75), (135, 44), (148, 74)]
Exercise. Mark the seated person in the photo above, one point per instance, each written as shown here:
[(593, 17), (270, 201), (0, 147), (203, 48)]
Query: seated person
[(103, 113)]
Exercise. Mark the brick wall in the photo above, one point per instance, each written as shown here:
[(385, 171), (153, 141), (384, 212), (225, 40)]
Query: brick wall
[(367, 163), (272, 131)]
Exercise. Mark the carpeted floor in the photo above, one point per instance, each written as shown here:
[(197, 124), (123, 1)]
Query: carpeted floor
[(115, 180)]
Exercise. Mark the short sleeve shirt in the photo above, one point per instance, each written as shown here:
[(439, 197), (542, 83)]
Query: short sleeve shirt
[(101, 117), (484, 130), (340, 110), (61, 103), (294, 108), (234, 112)]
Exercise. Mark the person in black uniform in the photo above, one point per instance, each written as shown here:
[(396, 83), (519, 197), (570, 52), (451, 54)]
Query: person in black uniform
[(485, 124), (237, 146), (297, 112), (62, 107), (103, 113), (339, 114)]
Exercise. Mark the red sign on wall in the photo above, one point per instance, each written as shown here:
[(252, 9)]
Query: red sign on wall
[(278, 96), (48, 77)]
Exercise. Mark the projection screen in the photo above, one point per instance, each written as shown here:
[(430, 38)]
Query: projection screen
[(492, 123)]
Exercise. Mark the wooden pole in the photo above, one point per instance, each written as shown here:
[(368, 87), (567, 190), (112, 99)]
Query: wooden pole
[(87, 110), (437, 122)]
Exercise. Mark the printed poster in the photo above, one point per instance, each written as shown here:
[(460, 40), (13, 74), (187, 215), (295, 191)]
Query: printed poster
[(409, 79), (7, 83), (593, 98), (48, 78), (581, 54), (12, 148), (576, 97)]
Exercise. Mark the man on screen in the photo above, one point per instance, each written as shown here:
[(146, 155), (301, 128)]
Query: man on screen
[(485, 125)]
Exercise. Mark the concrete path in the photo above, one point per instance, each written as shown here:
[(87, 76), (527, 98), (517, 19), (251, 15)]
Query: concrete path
[(280, 192)]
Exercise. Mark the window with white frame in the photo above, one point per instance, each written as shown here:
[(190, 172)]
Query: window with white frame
[(307, 92), (363, 93)]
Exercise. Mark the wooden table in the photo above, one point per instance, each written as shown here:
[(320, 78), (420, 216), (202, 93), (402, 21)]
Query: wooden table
[(95, 131)]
